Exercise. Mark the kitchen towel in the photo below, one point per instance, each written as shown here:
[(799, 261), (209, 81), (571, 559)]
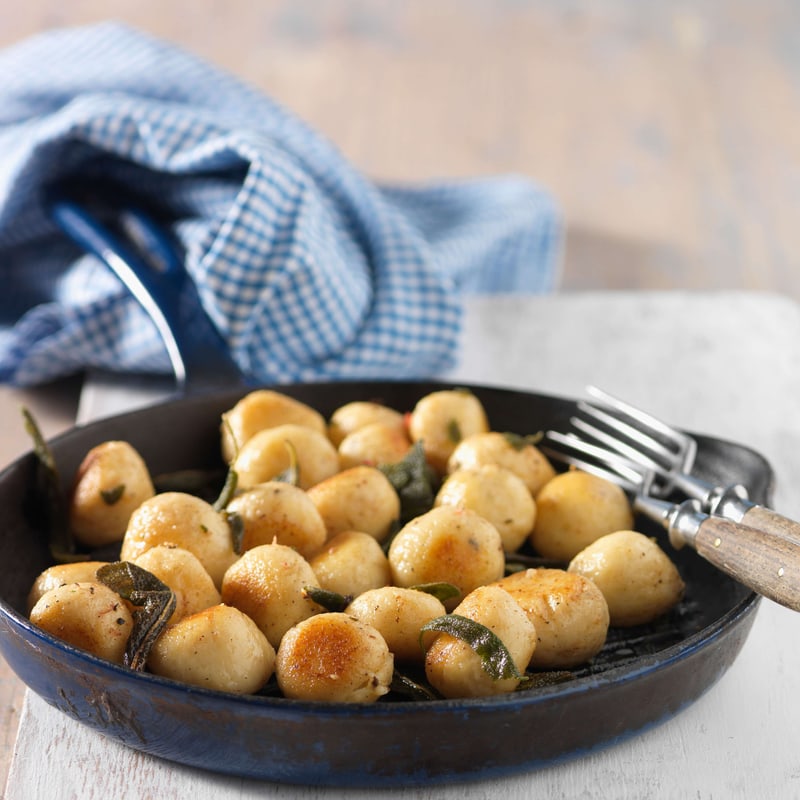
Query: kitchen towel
[(308, 269)]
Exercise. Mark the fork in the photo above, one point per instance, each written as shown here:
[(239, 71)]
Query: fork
[(666, 456), (763, 560)]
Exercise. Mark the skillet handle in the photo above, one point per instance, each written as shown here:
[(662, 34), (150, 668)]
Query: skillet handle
[(767, 564)]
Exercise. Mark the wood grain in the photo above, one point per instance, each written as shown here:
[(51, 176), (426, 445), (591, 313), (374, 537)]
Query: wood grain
[(669, 134), (769, 565)]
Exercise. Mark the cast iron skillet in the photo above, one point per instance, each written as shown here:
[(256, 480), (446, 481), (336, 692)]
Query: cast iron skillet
[(643, 676)]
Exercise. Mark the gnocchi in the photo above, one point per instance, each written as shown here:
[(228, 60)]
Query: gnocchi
[(334, 657), (218, 648), (268, 584), (270, 452), (111, 482), (351, 562), (637, 578), (575, 508), (248, 608), (568, 610), (182, 572), (442, 419), (498, 495), (357, 414), (456, 670), (259, 410), (373, 445), (86, 615), (448, 545), (515, 453), (360, 498), (280, 512), (398, 615), (185, 521)]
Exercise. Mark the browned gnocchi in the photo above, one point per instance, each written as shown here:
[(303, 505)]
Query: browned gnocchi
[(447, 544), (334, 657), (568, 610), (277, 511), (267, 583)]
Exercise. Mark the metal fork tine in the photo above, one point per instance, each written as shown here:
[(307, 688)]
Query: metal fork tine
[(654, 423), (641, 439), (686, 445), (615, 468)]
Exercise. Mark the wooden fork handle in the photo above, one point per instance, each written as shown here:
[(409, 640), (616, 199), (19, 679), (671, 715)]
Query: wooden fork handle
[(768, 564), (769, 521)]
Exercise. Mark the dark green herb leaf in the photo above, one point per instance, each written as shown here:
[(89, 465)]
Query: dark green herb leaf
[(414, 481), (495, 658), (292, 473), (409, 688), (155, 603), (228, 490), (236, 525), (441, 591), (519, 442), (454, 431), (111, 496), (330, 601), (50, 504)]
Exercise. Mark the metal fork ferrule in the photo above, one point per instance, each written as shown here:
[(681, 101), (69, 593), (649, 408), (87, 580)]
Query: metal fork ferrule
[(730, 502), (684, 523)]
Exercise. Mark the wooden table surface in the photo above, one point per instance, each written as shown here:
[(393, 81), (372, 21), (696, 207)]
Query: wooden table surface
[(669, 134)]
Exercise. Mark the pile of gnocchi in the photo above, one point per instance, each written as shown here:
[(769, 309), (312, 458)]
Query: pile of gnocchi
[(315, 513)]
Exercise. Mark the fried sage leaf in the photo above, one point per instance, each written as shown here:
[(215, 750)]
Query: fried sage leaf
[(495, 658), (292, 473), (330, 601), (154, 600), (441, 591), (112, 496), (236, 525), (414, 481), (409, 688), (520, 442), (50, 503), (228, 490)]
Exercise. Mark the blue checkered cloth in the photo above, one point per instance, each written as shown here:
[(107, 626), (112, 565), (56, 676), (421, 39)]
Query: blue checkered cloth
[(308, 269)]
